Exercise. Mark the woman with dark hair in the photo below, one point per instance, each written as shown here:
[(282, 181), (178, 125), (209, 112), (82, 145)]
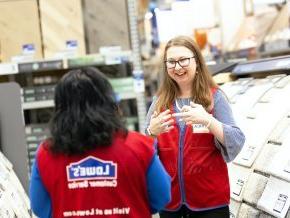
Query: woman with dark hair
[(196, 133), (92, 166)]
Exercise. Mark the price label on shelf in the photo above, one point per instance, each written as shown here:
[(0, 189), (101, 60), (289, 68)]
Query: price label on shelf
[(139, 84), (237, 187), (28, 49), (8, 68), (287, 167)]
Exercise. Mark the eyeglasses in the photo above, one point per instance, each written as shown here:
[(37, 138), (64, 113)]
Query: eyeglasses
[(183, 62)]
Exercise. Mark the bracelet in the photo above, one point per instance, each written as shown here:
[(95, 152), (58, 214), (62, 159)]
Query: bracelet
[(209, 122), (149, 132)]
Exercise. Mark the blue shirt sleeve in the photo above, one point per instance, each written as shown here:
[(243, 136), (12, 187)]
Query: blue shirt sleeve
[(149, 114), (233, 136), (158, 185), (39, 197)]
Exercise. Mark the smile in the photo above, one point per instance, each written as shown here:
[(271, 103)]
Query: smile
[(180, 74)]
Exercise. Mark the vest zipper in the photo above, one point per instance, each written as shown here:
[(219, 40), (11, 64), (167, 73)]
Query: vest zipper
[(182, 129), (180, 162)]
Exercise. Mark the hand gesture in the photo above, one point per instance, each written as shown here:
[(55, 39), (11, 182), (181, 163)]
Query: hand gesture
[(194, 114), (161, 123)]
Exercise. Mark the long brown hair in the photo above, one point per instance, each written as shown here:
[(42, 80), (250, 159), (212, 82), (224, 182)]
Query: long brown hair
[(202, 83)]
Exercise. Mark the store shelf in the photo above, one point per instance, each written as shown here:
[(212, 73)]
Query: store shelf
[(58, 64), (250, 34), (38, 66), (221, 68), (264, 65), (277, 52), (8, 68), (35, 77), (37, 105), (100, 59), (127, 96), (276, 42), (50, 103)]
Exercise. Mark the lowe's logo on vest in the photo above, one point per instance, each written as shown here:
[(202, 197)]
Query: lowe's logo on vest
[(92, 172)]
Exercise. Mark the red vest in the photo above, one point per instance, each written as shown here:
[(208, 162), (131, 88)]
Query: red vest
[(198, 170), (106, 182)]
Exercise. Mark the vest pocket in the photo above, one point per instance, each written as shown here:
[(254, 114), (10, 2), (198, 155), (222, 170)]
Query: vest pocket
[(202, 141), (200, 160), (168, 158)]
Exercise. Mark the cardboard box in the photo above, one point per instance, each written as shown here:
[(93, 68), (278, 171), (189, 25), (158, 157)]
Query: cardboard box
[(107, 24), (19, 29), (62, 27)]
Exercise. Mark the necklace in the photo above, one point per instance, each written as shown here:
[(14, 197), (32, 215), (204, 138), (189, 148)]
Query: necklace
[(178, 106)]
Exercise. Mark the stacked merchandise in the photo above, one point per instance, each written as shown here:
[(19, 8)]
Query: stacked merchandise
[(38, 93), (260, 174), (35, 134), (19, 43), (41, 35), (13, 199), (250, 35), (277, 40)]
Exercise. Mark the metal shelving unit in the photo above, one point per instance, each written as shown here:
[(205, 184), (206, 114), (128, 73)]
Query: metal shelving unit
[(50, 103), (37, 98), (138, 69), (128, 85), (37, 105)]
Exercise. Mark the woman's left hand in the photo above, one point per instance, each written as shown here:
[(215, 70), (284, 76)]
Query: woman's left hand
[(194, 114)]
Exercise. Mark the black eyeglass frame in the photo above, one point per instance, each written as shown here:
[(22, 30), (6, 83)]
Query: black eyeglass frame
[(178, 62)]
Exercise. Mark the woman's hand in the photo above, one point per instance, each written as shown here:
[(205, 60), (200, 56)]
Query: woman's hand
[(160, 123), (194, 114)]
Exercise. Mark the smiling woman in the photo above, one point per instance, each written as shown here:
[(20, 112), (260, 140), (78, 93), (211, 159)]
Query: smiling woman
[(184, 72), (196, 134)]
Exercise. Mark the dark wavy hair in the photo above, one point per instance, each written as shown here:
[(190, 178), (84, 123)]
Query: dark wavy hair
[(86, 114)]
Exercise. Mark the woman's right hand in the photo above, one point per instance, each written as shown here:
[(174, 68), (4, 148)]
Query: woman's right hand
[(160, 123)]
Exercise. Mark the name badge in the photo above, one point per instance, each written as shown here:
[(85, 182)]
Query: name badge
[(199, 128)]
